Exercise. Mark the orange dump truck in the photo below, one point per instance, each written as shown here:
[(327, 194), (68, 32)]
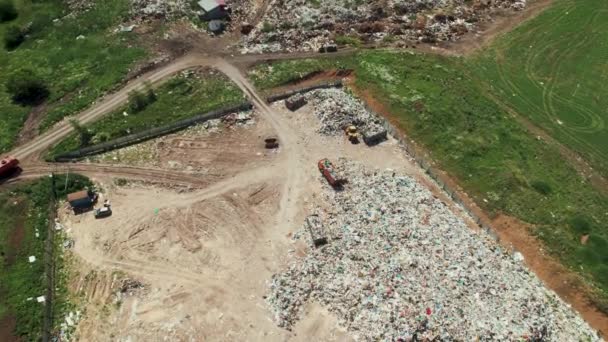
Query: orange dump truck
[(327, 170), (8, 166)]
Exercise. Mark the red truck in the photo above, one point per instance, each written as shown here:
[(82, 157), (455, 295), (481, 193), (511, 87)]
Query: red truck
[(8, 166), (327, 170)]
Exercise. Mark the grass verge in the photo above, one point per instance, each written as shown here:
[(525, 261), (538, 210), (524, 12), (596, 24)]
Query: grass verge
[(78, 57), (552, 70), (505, 169), (182, 97), (24, 218)]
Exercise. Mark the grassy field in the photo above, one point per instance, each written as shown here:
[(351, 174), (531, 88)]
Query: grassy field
[(440, 105), (24, 212), (553, 70), (180, 98), (78, 57)]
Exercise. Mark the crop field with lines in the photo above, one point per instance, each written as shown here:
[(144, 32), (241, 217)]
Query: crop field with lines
[(553, 70)]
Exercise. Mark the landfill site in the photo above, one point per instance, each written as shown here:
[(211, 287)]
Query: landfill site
[(310, 222), (296, 25)]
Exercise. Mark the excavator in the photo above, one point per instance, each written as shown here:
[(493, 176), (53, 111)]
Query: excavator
[(352, 133)]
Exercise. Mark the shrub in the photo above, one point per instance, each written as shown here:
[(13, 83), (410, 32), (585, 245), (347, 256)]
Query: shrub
[(580, 225), (267, 27), (541, 187), (84, 134), (13, 37), (8, 11), (26, 88), (139, 100), (349, 40)]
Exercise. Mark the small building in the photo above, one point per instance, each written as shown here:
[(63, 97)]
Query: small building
[(82, 200), (213, 9)]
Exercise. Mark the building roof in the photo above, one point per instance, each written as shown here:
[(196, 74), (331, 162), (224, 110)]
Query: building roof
[(210, 5), (78, 195)]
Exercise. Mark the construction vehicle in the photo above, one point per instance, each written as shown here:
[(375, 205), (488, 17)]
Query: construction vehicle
[(9, 166), (352, 134), (102, 212), (295, 102), (373, 137), (328, 171)]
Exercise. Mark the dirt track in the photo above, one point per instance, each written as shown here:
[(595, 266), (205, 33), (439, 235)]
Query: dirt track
[(207, 254)]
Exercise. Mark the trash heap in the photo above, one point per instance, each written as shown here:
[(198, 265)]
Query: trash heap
[(293, 25), (160, 8), (400, 266), (336, 110)]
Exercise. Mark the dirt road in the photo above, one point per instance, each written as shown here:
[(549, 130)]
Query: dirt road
[(109, 103)]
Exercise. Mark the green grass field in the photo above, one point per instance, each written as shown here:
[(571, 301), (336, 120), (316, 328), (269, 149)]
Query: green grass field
[(23, 212), (77, 71), (439, 104), (180, 98), (553, 70)]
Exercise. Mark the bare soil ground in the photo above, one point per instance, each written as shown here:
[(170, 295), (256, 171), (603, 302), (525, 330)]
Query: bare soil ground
[(204, 256)]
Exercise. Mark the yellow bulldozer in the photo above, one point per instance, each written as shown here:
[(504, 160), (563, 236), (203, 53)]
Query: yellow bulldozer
[(352, 133)]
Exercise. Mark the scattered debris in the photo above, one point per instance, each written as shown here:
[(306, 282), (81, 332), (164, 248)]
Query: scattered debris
[(400, 265)]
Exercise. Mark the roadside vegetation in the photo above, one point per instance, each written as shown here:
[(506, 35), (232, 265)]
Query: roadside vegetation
[(24, 222), (182, 97), (437, 102), (58, 62), (552, 70)]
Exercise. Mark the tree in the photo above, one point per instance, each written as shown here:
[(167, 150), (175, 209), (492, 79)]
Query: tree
[(84, 134), (8, 11), (26, 88), (13, 37)]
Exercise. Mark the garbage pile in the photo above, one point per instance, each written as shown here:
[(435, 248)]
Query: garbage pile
[(308, 25), (336, 110), (240, 10), (160, 8), (400, 266)]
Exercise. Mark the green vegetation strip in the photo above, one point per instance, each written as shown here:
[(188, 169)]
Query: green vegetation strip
[(24, 214), (77, 57), (440, 105), (552, 70), (180, 98)]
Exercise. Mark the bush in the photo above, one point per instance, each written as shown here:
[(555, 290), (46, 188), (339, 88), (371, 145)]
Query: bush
[(84, 134), (8, 11), (139, 100), (541, 187), (267, 27), (580, 225), (13, 37), (26, 88)]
